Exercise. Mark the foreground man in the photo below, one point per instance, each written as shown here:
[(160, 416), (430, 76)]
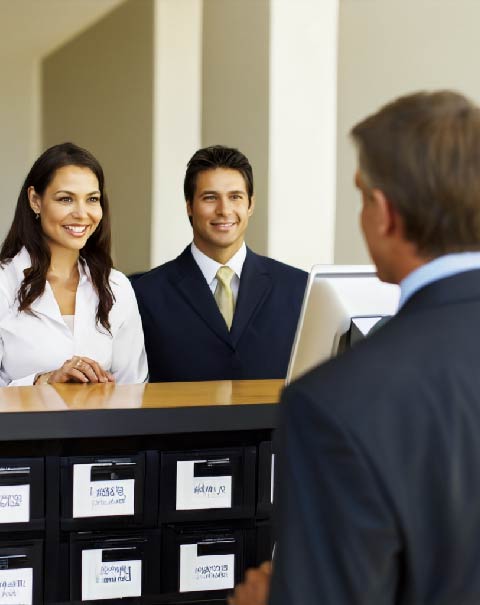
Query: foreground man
[(379, 449)]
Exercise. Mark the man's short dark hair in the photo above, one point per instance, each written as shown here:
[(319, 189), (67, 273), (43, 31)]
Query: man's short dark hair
[(216, 156), (423, 152)]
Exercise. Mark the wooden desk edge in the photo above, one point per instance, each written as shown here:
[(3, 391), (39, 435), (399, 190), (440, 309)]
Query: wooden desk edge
[(163, 409)]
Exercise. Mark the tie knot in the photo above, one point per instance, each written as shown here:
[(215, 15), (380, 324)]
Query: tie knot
[(224, 275)]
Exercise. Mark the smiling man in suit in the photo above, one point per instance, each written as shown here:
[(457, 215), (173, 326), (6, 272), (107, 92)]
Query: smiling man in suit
[(379, 449), (219, 311)]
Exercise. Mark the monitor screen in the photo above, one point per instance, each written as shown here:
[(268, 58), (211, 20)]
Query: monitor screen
[(342, 303)]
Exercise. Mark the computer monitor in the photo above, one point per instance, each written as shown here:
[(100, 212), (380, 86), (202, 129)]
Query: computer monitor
[(341, 305)]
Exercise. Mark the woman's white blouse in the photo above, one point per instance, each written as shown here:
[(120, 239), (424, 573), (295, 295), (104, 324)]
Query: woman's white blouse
[(41, 341)]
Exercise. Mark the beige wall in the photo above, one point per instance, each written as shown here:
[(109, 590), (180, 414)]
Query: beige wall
[(269, 88), (19, 106), (114, 85), (388, 48), (302, 114), (23, 42), (98, 92), (177, 120), (235, 92)]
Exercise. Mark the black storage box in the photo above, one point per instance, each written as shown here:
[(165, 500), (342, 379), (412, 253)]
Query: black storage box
[(22, 494), (205, 562), (207, 484), (114, 566), (21, 571), (266, 471), (264, 548), (101, 492)]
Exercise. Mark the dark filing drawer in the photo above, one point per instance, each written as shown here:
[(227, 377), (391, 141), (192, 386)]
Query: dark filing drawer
[(103, 491), (21, 572), (207, 484), (204, 562), (114, 566), (22, 496), (266, 475), (264, 550)]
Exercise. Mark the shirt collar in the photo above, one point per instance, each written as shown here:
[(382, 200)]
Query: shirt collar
[(443, 266), (209, 267), (23, 261), (84, 271)]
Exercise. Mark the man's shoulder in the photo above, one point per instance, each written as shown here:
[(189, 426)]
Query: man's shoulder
[(159, 275), (376, 374), (277, 268)]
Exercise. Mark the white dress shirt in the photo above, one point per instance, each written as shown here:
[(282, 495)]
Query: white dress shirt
[(209, 267), (38, 342)]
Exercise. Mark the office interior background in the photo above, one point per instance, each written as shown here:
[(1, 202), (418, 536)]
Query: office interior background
[(144, 83)]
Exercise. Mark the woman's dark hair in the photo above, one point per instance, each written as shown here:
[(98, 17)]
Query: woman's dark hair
[(27, 232)]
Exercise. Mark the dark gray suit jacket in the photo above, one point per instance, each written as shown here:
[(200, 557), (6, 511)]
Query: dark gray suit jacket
[(186, 337), (379, 469)]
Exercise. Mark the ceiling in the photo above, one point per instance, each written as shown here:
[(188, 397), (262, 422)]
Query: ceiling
[(37, 27)]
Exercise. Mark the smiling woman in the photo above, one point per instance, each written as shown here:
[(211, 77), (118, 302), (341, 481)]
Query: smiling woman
[(65, 314)]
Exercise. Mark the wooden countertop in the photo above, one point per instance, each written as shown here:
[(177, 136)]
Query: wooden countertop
[(62, 397), (92, 410)]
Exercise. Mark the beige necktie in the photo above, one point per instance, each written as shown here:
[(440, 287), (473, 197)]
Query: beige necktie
[(224, 295)]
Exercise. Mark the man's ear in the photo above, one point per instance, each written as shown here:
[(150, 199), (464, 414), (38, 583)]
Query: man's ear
[(189, 208), (386, 216), (251, 207), (34, 200)]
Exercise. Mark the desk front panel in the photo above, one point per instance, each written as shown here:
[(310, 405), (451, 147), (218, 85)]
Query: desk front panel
[(135, 439)]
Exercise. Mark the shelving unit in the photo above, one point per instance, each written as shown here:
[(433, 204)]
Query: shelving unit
[(180, 471)]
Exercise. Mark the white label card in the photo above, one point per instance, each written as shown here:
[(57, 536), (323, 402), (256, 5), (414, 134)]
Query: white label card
[(272, 478), (109, 579), (101, 498), (194, 493), (16, 586), (208, 572), (14, 504)]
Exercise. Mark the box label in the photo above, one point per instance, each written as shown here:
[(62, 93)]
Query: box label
[(14, 504), (109, 579), (195, 493), (101, 498), (272, 478), (208, 572), (16, 586)]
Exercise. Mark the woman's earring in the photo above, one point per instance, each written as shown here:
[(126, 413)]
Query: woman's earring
[(37, 216)]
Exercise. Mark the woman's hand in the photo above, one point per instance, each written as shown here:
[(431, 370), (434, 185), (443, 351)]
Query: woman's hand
[(77, 369), (255, 588)]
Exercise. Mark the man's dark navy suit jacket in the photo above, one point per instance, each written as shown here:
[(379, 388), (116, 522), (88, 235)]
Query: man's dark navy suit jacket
[(186, 337), (378, 462)]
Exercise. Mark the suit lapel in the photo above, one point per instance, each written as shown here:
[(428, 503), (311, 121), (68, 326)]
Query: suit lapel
[(255, 284), (191, 284)]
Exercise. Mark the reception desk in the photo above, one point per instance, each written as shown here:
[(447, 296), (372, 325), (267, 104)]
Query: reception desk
[(69, 411), (160, 493)]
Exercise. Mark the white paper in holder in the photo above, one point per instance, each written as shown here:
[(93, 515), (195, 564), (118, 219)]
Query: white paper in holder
[(194, 493), (207, 572), (101, 498), (16, 586), (109, 579), (14, 504)]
